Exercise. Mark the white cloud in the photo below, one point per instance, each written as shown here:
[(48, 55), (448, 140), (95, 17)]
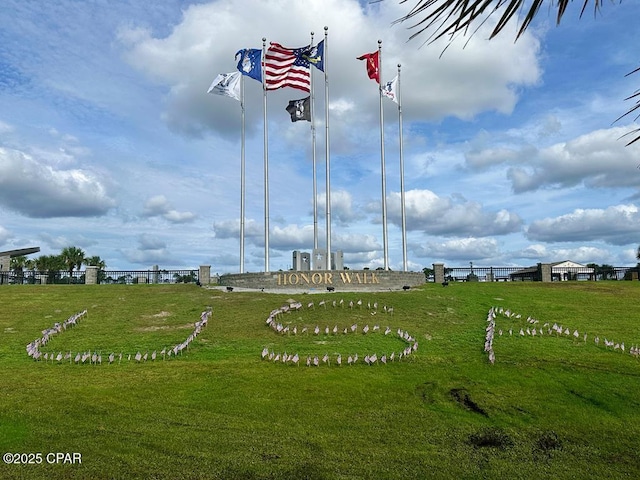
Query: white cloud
[(62, 241), (231, 229), (35, 189), (151, 250), (598, 159), (4, 235), (459, 249), (464, 82), (615, 225), (342, 207), (432, 214), (158, 205)]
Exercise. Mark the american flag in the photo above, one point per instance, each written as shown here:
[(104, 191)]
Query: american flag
[(286, 67)]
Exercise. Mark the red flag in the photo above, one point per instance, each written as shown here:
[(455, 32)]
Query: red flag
[(372, 65)]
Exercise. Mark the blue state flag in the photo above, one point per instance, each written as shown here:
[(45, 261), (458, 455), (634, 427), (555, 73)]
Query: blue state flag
[(315, 55), (249, 63)]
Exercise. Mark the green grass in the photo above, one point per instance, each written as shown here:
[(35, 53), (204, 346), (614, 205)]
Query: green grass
[(549, 408)]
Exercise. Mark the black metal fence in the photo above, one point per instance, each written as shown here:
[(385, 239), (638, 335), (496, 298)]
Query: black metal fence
[(520, 274), (125, 277), (452, 274)]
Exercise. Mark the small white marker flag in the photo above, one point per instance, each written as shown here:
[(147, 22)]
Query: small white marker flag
[(227, 84), (300, 109), (390, 89)]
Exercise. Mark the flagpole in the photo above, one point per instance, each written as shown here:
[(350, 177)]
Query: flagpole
[(326, 146), (313, 150), (242, 177), (402, 202), (266, 160), (382, 164)]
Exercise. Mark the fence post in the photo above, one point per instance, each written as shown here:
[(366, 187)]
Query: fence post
[(91, 275), (204, 274), (438, 272), (544, 272)]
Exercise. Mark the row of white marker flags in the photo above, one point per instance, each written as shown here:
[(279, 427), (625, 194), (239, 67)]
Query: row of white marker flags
[(326, 359), (533, 331), (95, 358)]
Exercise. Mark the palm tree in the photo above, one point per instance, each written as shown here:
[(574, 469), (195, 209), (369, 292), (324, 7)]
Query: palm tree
[(447, 18), (51, 264), (95, 261), (18, 264), (73, 257)]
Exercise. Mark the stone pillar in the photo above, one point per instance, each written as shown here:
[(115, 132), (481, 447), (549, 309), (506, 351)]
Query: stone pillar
[(154, 278), (438, 272), (5, 263), (319, 260), (204, 274), (337, 260), (91, 275), (544, 272)]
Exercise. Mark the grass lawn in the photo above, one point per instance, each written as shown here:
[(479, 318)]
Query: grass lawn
[(552, 406)]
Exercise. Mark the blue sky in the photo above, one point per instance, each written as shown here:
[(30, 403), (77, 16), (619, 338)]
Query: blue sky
[(109, 141)]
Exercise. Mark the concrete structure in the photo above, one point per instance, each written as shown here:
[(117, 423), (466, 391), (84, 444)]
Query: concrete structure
[(325, 280), (204, 274), (337, 260), (438, 272), (91, 275), (301, 261), (319, 260), (6, 256), (304, 262)]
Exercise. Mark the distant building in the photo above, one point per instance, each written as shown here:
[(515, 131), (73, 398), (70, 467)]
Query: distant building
[(568, 270), (5, 260), (560, 272)]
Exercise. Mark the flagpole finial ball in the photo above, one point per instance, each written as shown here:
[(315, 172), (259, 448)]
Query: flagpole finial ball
[(264, 39), (399, 65), (379, 42), (326, 28)]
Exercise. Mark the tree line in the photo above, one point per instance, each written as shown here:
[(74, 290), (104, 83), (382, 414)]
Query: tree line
[(69, 259)]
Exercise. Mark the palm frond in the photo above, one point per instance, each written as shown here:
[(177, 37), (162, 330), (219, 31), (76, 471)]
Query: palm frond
[(448, 17), (633, 109)]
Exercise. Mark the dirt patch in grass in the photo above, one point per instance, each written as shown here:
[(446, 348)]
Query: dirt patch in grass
[(462, 397), (547, 442), (492, 437)]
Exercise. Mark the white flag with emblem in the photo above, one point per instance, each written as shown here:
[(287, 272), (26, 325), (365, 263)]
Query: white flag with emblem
[(390, 89), (227, 84)]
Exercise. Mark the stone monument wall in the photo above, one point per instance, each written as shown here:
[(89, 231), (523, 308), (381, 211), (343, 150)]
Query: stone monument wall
[(339, 280)]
